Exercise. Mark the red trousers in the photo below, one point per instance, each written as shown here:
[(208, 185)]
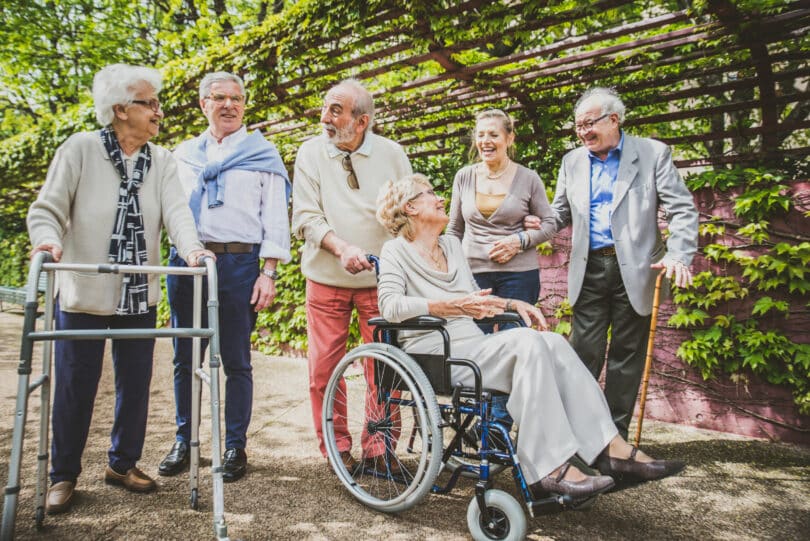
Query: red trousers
[(329, 313)]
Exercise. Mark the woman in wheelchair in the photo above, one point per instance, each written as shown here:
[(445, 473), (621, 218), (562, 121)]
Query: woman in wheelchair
[(557, 404)]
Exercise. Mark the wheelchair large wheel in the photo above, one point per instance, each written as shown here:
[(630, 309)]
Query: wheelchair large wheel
[(506, 518), (380, 406)]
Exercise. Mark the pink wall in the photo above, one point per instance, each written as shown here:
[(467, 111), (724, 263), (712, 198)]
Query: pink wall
[(677, 392)]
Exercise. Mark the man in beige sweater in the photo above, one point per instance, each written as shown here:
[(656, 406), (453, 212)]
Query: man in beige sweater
[(338, 175)]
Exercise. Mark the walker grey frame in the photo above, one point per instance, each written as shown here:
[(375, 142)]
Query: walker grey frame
[(41, 262)]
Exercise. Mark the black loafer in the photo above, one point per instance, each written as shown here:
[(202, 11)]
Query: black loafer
[(176, 461), (632, 470), (234, 465)]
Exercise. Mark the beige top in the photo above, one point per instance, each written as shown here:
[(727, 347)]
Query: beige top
[(77, 206), (488, 203), (324, 202)]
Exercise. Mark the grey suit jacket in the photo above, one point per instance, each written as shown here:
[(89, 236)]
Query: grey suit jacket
[(646, 178)]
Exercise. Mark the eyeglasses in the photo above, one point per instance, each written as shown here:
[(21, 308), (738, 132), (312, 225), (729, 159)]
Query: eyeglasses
[(347, 165), (430, 192), (236, 99), (153, 104), (588, 124)]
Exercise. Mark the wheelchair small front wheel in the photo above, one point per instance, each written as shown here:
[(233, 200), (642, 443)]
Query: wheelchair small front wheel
[(506, 518)]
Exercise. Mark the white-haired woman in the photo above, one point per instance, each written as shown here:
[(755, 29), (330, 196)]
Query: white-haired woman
[(559, 407), (105, 199)]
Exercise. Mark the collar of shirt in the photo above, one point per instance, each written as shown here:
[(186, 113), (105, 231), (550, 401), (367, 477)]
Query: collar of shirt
[(228, 142), (364, 148)]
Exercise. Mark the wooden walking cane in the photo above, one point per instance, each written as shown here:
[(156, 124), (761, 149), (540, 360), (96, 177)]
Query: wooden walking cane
[(648, 361)]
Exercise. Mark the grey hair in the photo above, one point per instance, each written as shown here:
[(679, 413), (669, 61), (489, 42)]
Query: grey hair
[(219, 77), (363, 103), (607, 98), (115, 85)]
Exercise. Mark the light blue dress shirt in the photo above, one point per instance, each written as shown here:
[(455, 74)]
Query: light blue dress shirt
[(603, 178)]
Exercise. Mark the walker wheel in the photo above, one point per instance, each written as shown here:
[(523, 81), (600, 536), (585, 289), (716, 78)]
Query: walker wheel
[(195, 501)]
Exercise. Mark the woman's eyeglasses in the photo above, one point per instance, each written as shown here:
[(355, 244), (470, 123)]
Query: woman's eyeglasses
[(152, 104), (347, 165)]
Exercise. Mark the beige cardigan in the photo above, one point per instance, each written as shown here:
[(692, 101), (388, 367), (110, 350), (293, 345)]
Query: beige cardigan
[(323, 202), (76, 208)]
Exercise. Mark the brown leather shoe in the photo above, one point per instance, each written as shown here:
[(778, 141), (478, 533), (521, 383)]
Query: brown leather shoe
[(134, 480), (379, 464), (60, 497), (631, 469), (590, 486), (348, 460)]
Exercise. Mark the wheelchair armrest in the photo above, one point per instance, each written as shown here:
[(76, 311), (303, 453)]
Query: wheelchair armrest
[(506, 317), (412, 324)]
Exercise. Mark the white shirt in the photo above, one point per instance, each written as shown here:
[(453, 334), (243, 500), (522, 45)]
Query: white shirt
[(254, 208)]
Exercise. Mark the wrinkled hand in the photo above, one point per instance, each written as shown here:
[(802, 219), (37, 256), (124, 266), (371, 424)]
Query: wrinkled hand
[(195, 257), (264, 292), (54, 249), (353, 259), (505, 249), (531, 222), (676, 271), (479, 304), (532, 316)]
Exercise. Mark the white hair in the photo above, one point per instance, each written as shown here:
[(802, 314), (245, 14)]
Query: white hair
[(607, 98), (115, 85), (219, 77)]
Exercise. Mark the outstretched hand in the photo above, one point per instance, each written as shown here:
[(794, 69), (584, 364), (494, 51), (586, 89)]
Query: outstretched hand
[(479, 304)]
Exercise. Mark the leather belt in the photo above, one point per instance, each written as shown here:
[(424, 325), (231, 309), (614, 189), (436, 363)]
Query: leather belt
[(607, 251), (229, 247)]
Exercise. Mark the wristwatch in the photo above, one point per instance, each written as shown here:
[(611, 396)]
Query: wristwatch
[(270, 273)]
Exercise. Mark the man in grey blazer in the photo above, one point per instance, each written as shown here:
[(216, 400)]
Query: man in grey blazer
[(609, 190)]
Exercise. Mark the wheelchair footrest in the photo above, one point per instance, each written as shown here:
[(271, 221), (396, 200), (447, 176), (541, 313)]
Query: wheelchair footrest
[(554, 503)]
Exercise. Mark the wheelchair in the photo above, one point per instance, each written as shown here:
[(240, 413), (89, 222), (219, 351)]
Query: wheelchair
[(386, 401)]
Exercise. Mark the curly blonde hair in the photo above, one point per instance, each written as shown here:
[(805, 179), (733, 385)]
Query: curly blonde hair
[(392, 200)]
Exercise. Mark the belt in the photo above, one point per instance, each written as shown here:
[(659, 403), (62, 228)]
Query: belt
[(607, 251), (229, 247)]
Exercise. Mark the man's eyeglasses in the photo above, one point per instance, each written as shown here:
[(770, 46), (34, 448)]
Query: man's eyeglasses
[(153, 104), (588, 124), (236, 99), (347, 165)]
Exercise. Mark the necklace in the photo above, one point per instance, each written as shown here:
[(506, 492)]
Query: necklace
[(437, 260), (498, 175)]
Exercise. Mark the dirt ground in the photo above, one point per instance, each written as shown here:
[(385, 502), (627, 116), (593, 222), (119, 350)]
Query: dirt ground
[(733, 488)]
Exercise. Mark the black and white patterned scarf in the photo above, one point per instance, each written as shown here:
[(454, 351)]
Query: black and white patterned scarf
[(128, 242)]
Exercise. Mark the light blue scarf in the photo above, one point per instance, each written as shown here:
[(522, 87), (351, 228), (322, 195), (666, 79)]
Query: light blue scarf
[(254, 153)]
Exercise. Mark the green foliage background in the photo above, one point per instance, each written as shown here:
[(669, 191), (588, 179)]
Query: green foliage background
[(290, 52)]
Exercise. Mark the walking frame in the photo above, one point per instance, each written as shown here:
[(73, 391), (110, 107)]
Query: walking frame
[(648, 361), (41, 262)]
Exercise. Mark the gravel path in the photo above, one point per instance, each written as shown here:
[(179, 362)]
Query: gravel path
[(734, 488)]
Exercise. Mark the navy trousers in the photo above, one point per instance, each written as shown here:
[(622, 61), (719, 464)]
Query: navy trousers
[(523, 286), (77, 371), (236, 273)]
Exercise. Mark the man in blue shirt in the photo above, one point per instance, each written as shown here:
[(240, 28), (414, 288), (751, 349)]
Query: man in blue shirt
[(238, 192), (609, 191)]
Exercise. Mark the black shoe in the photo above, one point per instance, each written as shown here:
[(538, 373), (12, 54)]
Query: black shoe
[(234, 465), (176, 461), (628, 469)]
